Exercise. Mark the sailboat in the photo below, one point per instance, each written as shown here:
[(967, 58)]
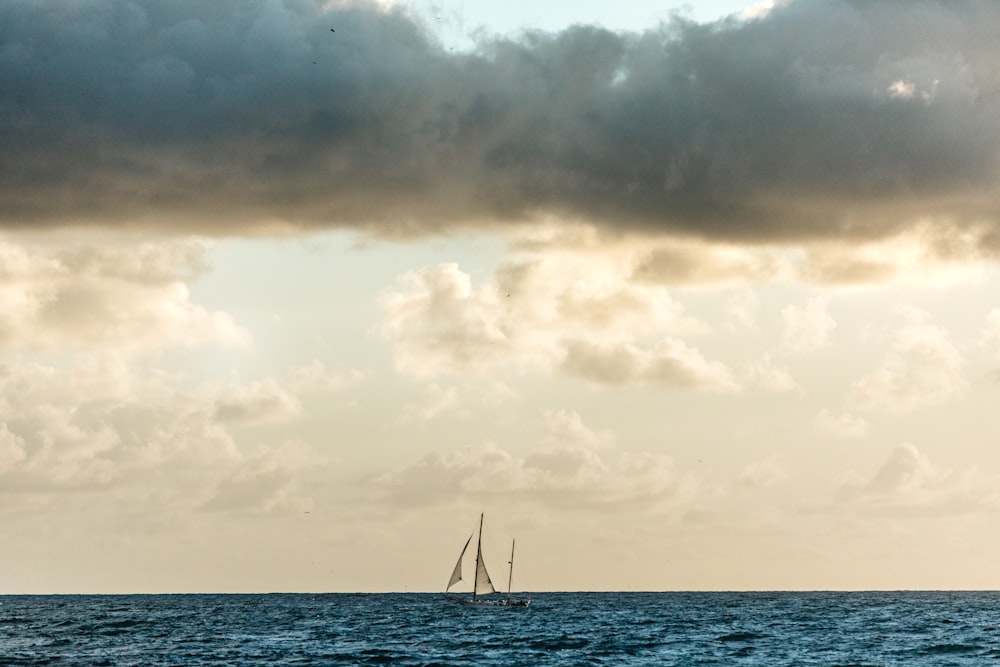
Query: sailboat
[(483, 586)]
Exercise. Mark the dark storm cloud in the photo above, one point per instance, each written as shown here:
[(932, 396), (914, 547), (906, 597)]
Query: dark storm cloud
[(821, 119)]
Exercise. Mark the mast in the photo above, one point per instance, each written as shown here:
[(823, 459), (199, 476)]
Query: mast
[(510, 574), (479, 554)]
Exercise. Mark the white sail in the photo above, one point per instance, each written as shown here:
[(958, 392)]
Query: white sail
[(483, 583), (456, 575)]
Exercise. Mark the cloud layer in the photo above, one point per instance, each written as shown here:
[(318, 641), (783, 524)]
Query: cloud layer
[(815, 120), (89, 401)]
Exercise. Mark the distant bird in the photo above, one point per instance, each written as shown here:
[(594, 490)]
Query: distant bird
[(332, 30)]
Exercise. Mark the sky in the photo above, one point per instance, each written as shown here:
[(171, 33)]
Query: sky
[(693, 297)]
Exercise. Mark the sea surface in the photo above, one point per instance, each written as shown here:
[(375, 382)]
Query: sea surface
[(876, 628)]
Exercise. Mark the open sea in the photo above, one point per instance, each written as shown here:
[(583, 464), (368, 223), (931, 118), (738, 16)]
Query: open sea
[(823, 628)]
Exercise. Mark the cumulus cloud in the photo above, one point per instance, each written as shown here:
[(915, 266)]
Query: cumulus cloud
[(265, 482), (436, 401), (570, 465), (574, 314), (806, 328), (844, 425), (12, 448), (99, 423), (315, 376), (129, 296), (909, 482), (764, 473), (990, 335), (109, 426), (688, 262), (923, 255), (742, 309), (813, 120), (923, 368), (670, 363), (82, 405), (767, 376), (258, 402)]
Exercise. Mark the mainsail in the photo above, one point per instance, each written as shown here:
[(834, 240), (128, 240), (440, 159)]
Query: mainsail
[(456, 575), (483, 583)]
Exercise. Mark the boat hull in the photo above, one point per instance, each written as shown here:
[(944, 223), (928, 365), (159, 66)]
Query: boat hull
[(503, 602)]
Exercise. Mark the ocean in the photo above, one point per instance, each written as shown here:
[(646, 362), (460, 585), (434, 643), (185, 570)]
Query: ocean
[(821, 628)]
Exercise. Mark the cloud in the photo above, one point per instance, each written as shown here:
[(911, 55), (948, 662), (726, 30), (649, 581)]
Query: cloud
[(314, 376), (813, 120), (908, 482), (990, 336), (808, 327), (667, 364), (440, 324), (436, 401), (687, 262), (130, 296), (570, 313), (844, 425), (923, 368), (101, 422), (259, 402), (108, 427), (767, 376), (742, 309), (570, 465), (265, 482), (925, 255), (764, 473), (85, 405), (12, 447)]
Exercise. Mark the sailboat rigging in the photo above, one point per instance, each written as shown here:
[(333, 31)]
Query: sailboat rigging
[(482, 585)]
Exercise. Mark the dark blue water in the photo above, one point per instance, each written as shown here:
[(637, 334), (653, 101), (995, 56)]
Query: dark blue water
[(906, 628)]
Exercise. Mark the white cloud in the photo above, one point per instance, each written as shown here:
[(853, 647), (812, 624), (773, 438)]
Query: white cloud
[(436, 402), (669, 364), (935, 253), (677, 262), (767, 376), (742, 309), (562, 428), (901, 89), (990, 335), (148, 436), (923, 368), (844, 425), (439, 324), (83, 407), (572, 313), (314, 376), (571, 465), (265, 482), (765, 473), (808, 327), (261, 401), (11, 448), (84, 297), (95, 424), (908, 482)]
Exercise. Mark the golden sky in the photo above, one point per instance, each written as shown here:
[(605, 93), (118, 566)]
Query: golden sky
[(290, 292)]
